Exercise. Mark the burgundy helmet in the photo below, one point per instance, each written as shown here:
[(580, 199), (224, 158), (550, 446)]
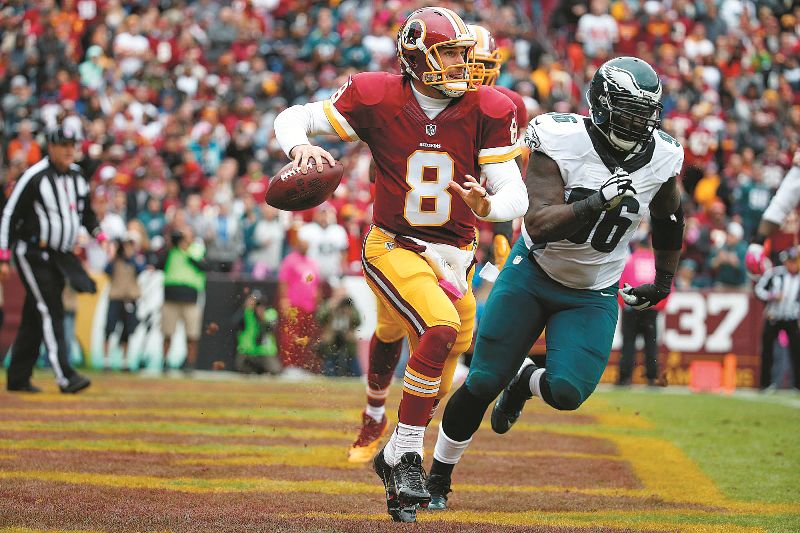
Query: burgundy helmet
[(420, 40), (487, 53)]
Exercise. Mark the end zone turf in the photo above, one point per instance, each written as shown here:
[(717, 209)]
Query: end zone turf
[(237, 455)]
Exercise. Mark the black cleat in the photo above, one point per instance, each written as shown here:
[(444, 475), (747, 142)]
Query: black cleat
[(27, 387), (409, 481), (509, 406), (439, 487), (398, 513), (76, 384)]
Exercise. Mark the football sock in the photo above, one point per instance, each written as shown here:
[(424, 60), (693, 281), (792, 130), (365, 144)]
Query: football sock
[(376, 413), (404, 439), (447, 450), (433, 409), (463, 414), (535, 380), (439, 468), (383, 357), (424, 375)]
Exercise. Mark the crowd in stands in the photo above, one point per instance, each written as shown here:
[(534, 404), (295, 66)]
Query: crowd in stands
[(175, 101)]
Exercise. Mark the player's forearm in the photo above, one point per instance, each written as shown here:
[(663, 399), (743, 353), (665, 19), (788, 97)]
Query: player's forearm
[(295, 124), (509, 198), (667, 260), (667, 231), (508, 203), (553, 223), (550, 223)]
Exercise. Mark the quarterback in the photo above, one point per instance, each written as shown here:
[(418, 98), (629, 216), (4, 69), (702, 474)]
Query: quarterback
[(383, 356), (590, 181), (430, 131)]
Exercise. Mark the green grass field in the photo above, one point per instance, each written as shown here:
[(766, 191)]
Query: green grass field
[(221, 453)]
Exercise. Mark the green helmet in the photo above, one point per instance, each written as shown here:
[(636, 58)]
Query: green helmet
[(625, 102)]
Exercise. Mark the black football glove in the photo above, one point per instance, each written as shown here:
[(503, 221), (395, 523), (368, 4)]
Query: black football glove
[(648, 295)]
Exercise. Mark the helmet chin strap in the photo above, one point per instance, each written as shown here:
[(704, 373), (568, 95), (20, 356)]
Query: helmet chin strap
[(451, 93), (622, 144)]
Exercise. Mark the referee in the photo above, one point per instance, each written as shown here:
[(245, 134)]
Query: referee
[(779, 287), (39, 225)]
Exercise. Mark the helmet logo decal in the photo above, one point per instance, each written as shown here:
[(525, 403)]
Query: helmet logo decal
[(532, 138), (414, 35), (625, 81)]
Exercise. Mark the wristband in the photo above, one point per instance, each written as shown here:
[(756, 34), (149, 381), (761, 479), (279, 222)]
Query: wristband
[(588, 208), (5, 255), (663, 281)]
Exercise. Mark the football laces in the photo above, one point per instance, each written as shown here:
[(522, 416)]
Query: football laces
[(289, 173)]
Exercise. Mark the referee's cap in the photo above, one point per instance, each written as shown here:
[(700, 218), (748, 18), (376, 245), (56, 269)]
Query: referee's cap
[(788, 254), (61, 135)]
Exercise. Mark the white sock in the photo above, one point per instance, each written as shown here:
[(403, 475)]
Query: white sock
[(376, 413), (448, 450), (376, 394), (404, 439), (536, 378)]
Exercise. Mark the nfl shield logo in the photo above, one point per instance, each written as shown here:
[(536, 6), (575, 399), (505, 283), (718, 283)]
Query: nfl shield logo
[(430, 129)]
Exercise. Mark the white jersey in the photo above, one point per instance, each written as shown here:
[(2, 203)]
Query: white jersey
[(786, 198), (593, 258)]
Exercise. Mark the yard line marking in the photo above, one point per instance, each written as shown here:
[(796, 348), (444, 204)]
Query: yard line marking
[(612, 518), (546, 453), (255, 413), (257, 484), (175, 428), (590, 520), (327, 456)]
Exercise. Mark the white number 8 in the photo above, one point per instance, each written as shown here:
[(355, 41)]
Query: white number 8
[(444, 167)]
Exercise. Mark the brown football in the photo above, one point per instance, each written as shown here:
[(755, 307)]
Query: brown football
[(291, 190)]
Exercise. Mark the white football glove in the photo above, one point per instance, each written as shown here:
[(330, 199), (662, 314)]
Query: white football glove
[(617, 187)]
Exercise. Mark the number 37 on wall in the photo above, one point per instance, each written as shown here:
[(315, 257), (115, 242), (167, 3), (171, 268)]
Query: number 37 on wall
[(694, 332)]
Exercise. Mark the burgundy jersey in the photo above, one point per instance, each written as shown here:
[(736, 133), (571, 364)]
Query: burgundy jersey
[(416, 157), (522, 111), (522, 117)]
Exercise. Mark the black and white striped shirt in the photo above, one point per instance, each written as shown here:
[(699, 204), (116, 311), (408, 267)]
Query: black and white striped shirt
[(781, 290), (47, 208)]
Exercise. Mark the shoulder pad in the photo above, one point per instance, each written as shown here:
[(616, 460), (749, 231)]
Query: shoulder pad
[(670, 150), (556, 131), (560, 123), (666, 141), (372, 87), (493, 103), (515, 97)]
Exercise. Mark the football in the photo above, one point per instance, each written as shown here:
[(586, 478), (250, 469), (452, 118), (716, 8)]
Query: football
[(291, 190)]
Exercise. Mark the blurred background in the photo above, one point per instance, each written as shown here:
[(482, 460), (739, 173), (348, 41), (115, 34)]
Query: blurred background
[(175, 103)]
